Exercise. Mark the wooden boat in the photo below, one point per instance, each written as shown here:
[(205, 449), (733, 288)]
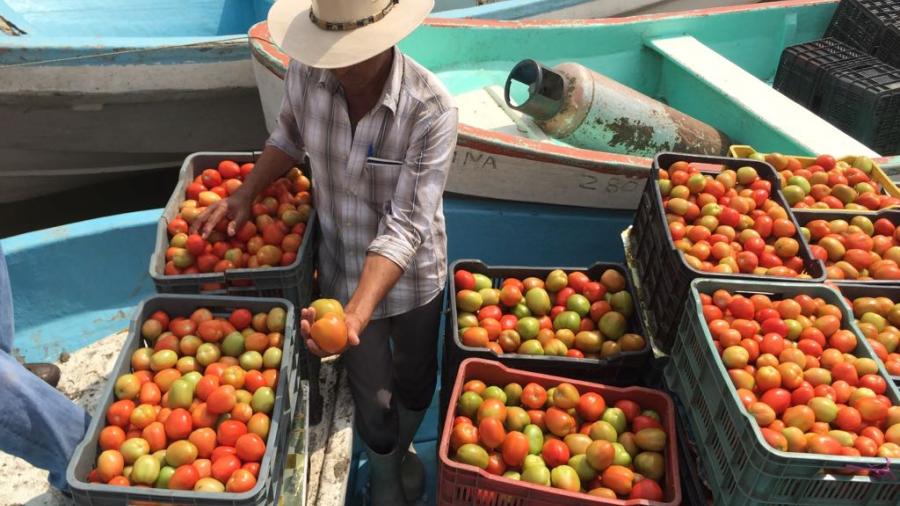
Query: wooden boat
[(60, 307), (88, 93), (714, 64), (94, 95), (564, 9)]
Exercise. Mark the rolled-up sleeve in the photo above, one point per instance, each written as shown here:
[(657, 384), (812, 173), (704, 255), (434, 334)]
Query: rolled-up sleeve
[(419, 191), (286, 135)]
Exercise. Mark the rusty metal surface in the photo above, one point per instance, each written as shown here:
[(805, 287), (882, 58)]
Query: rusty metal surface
[(602, 114)]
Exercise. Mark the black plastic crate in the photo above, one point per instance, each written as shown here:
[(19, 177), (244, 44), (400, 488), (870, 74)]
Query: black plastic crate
[(803, 66), (863, 23), (624, 369), (665, 276), (864, 102), (292, 282), (889, 49), (268, 485), (854, 290), (804, 216)]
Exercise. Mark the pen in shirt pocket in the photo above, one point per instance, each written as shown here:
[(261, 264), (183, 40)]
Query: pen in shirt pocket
[(371, 151)]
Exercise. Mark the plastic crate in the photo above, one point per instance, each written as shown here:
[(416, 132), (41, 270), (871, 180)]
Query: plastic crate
[(864, 102), (802, 67), (292, 282), (742, 468), (854, 290), (863, 23), (625, 368), (889, 49), (268, 486), (887, 186), (804, 216), (665, 276), (463, 484)]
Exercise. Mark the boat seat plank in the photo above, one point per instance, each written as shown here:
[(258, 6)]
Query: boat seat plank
[(756, 98)]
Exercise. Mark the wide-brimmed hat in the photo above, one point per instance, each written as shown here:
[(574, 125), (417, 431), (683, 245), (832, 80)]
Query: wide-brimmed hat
[(340, 33)]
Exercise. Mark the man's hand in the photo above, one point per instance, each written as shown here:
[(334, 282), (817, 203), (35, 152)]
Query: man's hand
[(236, 208), (354, 323)]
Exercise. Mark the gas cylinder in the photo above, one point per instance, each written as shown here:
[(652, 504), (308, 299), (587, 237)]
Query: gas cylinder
[(580, 107)]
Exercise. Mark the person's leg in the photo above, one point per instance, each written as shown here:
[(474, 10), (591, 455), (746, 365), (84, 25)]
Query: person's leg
[(37, 422), (6, 307), (371, 384), (415, 376)]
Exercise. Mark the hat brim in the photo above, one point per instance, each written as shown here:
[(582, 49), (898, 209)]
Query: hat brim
[(303, 40)]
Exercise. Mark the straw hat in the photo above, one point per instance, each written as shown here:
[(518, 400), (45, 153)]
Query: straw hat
[(340, 33)]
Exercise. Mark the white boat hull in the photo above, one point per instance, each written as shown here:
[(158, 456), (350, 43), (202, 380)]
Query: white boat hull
[(69, 126), (512, 173)]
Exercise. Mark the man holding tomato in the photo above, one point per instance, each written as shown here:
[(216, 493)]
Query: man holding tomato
[(380, 131), (37, 422)]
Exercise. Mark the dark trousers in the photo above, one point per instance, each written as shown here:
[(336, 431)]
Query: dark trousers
[(380, 377)]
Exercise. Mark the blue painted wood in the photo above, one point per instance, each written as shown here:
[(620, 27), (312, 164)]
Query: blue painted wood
[(77, 30), (77, 283)]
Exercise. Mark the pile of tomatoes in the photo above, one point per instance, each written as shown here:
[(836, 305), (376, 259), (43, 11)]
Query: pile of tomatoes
[(565, 314), (829, 184), (561, 438), (271, 238), (728, 223), (878, 319), (194, 413), (792, 362), (858, 249)]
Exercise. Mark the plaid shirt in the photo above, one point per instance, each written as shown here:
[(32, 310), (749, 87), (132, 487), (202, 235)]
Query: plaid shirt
[(379, 190)]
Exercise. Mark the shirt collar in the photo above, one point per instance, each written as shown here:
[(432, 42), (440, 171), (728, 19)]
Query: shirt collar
[(391, 96)]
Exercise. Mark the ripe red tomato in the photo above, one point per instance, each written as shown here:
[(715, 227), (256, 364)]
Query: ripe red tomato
[(184, 477), (514, 448), (464, 280), (178, 425), (119, 412), (223, 467), (111, 437), (241, 480), (229, 431), (250, 447), (555, 453), (534, 396), (591, 406)]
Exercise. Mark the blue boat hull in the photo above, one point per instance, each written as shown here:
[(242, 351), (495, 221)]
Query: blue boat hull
[(77, 283)]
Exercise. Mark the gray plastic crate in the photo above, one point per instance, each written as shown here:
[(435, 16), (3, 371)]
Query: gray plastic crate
[(292, 282), (268, 485), (741, 467)]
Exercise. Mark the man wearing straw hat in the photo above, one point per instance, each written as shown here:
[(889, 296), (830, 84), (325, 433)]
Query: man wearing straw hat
[(380, 131)]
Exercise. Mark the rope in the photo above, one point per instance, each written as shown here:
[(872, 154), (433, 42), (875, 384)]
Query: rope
[(128, 51)]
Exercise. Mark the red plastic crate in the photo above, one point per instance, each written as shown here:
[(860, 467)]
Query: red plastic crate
[(463, 484)]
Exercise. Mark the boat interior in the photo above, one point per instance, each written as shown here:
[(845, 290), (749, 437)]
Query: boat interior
[(715, 70)]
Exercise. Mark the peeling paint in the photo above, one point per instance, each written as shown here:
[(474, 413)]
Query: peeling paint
[(631, 134)]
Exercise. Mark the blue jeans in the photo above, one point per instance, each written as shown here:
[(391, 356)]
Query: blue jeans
[(37, 422)]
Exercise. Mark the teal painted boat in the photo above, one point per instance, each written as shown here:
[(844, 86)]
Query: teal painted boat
[(71, 289), (99, 89), (715, 65)]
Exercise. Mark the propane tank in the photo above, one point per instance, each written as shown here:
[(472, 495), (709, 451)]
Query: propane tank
[(585, 109)]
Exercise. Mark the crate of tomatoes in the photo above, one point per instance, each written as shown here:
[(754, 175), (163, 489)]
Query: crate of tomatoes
[(862, 247), (876, 310), (582, 322), (711, 217), (824, 183), (787, 396), (272, 255), (198, 407), (524, 438)]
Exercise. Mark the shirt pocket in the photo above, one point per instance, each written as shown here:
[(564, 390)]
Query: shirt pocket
[(380, 182)]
